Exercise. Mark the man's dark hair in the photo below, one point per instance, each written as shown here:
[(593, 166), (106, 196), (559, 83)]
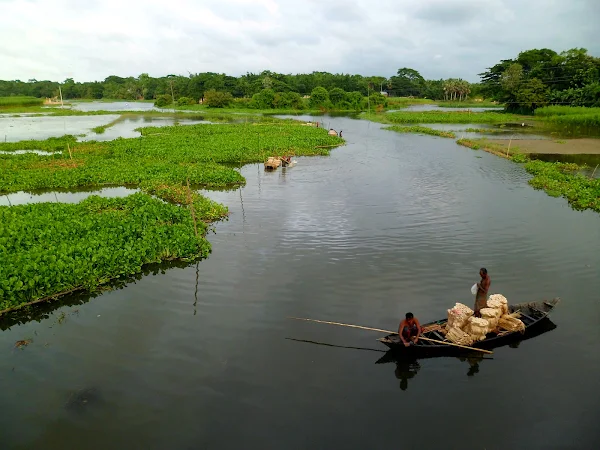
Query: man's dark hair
[(484, 270), (409, 315)]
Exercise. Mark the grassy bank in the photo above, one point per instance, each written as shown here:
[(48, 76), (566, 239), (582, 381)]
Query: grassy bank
[(570, 116), (443, 117), (468, 104), (19, 102), (555, 178), (421, 130)]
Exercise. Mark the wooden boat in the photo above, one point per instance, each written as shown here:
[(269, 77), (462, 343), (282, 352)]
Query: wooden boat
[(531, 314), (272, 163)]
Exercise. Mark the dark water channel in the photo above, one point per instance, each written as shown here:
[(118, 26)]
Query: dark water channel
[(203, 356)]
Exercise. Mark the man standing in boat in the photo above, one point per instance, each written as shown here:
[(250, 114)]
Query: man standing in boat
[(409, 329), (482, 290)]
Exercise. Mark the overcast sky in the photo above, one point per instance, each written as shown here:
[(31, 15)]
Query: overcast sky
[(90, 39)]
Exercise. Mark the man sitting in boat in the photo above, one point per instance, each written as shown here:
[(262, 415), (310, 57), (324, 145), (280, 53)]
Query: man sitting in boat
[(409, 329)]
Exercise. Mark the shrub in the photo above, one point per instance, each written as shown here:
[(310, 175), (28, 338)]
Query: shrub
[(162, 101), (217, 99), (183, 101)]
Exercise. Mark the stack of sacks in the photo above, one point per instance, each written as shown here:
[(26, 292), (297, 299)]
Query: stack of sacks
[(498, 301), (458, 336), (458, 316), (477, 328), (511, 323), (491, 315)]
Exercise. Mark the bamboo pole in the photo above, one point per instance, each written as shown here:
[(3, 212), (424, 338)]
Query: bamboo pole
[(508, 149), (191, 204), (391, 332), (69, 148)]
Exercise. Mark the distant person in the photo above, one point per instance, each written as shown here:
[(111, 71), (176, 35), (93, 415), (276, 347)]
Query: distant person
[(409, 329), (482, 291), (340, 133)]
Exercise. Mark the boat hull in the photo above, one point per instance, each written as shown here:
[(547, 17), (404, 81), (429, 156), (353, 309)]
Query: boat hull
[(534, 315)]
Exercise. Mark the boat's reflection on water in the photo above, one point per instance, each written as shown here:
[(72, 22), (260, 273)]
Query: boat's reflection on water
[(407, 366)]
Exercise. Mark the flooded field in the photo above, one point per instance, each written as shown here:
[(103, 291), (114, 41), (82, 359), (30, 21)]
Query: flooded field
[(202, 355), (14, 129), (74, 196)]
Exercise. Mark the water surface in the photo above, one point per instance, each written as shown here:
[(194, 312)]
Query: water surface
[(203, 356)]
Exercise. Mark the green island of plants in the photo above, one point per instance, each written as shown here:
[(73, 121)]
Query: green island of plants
[(201, 153), (53, 248), (442, 117), (49, 249), (422, 130)]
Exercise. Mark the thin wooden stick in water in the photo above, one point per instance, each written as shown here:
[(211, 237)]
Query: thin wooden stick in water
[(391, 332), (191, 205), (594, 171)]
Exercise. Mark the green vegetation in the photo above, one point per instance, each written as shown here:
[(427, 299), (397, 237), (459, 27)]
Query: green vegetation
[(49, 249), (443, 117), (555, 110), (403, 102), (166, 154), (11, 102), (555, 178), (420, 129), (542, 77), (484, 130), (469, 104), (497, 149), (52, 248), (560, 180), (205, 209), (570, 116)]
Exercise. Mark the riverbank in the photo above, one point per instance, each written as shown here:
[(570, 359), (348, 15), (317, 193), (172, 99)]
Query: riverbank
[(557, 146)]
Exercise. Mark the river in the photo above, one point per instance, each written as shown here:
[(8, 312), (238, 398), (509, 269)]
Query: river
[(204, 356)]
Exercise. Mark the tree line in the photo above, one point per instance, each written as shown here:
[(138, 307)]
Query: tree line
[(406, 83), (534, 78), (541, 77)]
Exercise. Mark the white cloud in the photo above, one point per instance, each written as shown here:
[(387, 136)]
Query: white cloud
[(56, 39)]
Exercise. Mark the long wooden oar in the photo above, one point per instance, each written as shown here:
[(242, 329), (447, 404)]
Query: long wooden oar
[(391, 332)]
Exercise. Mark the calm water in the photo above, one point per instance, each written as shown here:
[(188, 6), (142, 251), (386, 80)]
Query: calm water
[(203, 356), (66, 196), (113, 106), (14, 129)]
